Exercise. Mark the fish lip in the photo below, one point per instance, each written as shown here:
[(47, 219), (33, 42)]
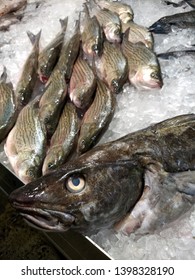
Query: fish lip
[(45, 219)]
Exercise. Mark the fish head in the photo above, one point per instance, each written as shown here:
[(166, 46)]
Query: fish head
[(82, 195), (113, 32), (53, 159), (43, 73), (125, 16)]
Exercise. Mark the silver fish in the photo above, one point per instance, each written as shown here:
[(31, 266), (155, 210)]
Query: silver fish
[(8, 112), (25, 146), (63, 139), (139, 182)]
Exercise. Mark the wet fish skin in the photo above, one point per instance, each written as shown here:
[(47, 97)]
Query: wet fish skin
[(28, 77), (92, 35), (8, 112), (49, 55), (63, 139), (82, 84), (96, 118), (113, 67), (25, 146), (103, 185), (181, 20), (124, 11), (176, 54), (52, 101), (144, 68)]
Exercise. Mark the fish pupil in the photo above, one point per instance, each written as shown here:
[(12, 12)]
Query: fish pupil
[(76, 181)]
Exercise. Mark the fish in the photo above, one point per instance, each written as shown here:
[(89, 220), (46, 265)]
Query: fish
[(52, 101), (110, 22), (26, 83), (96, 118), (8, 112), (26, 143), (9, 19), (124, 11), (49, 55), (180, 20), (7, 7), (144, 68), (112, 67), (191, 3), (176, 54), (103, 187), (92, 35), (82, 84), (68, 54), (138, 33), (63, 140)]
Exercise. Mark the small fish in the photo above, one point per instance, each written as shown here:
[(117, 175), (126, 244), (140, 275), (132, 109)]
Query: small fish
[(28, 78), (113, 67), (181, 20), (25, 146), (176, 54), (144, 68), (52, 101), (68, 54), (110, 23), (96, 118), (8, 112), (63, 139), (49, 55), (7, 7), (82, 84), (138, 33), (124, 11), (138, 183), (92, 35), (191, 3)]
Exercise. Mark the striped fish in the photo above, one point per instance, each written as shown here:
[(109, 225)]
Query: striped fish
[(63, 139), (96, 118), (82, 83), (25, 146)]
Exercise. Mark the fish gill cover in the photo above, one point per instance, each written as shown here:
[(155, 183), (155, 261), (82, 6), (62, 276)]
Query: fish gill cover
[(135, 109)]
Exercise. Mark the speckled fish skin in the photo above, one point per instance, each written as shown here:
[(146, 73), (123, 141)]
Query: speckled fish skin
[(92, 35), (96, 118), (105, 184), (144, 68), (8, 112), (82, 84), (28, 77), (25, 146), (138, 33), (113, 67), (52, 101), (68, 54), (181, 20), (124, 11), (63, 139), (49, 55)]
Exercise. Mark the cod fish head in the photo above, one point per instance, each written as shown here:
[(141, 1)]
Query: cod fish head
[(82, 196)]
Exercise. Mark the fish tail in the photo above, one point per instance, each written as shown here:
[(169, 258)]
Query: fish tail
[(3, 77), (34, 38), (86, 9), (64, 23)]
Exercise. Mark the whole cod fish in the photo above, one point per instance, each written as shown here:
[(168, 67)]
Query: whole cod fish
[(145, 173)]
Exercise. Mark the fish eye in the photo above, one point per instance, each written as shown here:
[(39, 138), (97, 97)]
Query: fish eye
[(75, 184), (154, 75)]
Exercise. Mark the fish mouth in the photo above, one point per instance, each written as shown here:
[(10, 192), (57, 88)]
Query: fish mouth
[(45, 219)]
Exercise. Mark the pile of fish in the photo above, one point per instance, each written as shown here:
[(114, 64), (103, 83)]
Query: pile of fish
[(74, 101)]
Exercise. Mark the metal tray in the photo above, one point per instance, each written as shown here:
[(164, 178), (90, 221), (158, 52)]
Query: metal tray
[(70, 244)]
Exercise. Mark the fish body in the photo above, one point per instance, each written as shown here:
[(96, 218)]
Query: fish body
[(181, 20), (11, 6), (82, 83), (96, 118), (52, 101), (92, 35), (63, 139), (28, 77), (124, 11), (144, 68), (138, 33), (68, 54), (103, 187), (8, 112), (49, 55), (113, 67), (25, 146)]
